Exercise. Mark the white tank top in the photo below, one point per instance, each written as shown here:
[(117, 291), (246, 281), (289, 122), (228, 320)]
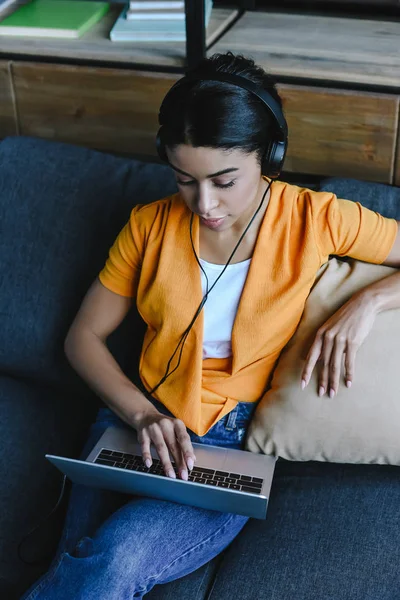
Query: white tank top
[(221, 306)]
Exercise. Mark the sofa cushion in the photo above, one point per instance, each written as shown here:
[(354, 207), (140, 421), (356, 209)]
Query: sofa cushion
[(331, 533), (382, 198), (61, 207), (35, 420)]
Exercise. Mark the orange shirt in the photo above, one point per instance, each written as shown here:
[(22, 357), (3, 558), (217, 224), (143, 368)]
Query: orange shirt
[(152, 260)]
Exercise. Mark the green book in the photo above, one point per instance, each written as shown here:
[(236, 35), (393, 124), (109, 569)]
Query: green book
[(54, 18)]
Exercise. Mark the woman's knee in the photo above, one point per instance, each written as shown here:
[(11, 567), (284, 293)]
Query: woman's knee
[(115, 555), (125, 541)]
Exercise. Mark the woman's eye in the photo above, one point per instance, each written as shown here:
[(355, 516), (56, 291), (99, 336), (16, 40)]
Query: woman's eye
[(224, 185), (218, 185)]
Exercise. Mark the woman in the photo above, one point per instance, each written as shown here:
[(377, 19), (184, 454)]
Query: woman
[(209, 351)]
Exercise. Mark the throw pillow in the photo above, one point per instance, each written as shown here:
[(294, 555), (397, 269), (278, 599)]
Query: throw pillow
[(360, 424)]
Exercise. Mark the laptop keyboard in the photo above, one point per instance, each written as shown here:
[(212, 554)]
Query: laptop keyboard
[(223, 479)]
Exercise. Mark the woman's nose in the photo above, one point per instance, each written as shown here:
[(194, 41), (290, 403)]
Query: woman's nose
[(206, 202)]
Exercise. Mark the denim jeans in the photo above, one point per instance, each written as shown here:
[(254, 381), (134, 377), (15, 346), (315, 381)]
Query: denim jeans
[(116, 546)]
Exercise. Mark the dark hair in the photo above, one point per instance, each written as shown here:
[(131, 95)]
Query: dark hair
[(216, 114)]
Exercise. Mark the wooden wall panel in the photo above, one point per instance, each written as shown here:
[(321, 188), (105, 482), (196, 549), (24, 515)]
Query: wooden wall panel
[(337, 132), (107, 109), (8, 125)]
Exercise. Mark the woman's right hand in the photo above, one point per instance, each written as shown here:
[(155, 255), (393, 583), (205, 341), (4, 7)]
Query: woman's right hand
[(169, 435), (102, 311)]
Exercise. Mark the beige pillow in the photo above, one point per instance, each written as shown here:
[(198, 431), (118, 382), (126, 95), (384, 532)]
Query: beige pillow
[(359, 425)]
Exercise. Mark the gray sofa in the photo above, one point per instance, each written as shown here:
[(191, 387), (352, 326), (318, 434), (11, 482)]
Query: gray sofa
[(332, 531)]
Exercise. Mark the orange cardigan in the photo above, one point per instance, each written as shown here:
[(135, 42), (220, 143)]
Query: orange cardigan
[(152, 260)]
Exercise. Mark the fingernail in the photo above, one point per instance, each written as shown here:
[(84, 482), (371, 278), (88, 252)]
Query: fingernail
[(303, 384), (184, 474), (190, 464), (331, 393), (348, 383), (321, 391), (171, 474), (147, 462)]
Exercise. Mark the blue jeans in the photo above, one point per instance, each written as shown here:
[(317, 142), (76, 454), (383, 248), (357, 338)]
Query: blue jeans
[(116, 546)]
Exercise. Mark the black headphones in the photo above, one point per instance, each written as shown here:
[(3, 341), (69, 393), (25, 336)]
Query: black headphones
[(272, 161)]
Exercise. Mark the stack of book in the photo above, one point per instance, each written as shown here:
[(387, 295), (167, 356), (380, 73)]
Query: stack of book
[(154, 21), (68, 19)]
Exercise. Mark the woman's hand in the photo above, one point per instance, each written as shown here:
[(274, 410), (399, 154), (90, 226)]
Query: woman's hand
[(340, 337), (168, 435)]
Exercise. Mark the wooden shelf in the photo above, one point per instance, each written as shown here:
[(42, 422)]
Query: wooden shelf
[(345, 124), (343, 50), (96, 45)]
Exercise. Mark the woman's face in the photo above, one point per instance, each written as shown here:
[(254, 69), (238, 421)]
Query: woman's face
[(222, 187)]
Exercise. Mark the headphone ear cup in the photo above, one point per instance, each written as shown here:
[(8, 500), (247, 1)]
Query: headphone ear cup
[(160, 146), (272, 162)]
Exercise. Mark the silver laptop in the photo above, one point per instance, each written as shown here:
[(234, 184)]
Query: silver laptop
[(222, 479)]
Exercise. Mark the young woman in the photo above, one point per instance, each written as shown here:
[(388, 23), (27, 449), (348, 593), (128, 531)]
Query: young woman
[(220, 273)]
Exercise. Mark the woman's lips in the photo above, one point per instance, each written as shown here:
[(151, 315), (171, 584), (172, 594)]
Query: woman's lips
[(212, 223)]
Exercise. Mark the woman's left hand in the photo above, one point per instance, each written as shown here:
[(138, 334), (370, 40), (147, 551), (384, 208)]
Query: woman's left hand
[(340, 337)]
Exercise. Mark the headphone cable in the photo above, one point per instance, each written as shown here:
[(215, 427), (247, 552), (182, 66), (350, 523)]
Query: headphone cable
[(185, 334)]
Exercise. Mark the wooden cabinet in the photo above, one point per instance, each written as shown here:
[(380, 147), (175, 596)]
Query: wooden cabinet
[(8, 121), (109, 99), (337, 132), (108, 109), (331, 131)]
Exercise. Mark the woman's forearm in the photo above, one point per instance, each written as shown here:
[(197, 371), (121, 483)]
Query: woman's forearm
[(384, 294), (338, 339), (90, 357)]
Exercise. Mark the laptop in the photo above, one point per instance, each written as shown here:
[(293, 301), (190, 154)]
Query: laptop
[(222, 479)]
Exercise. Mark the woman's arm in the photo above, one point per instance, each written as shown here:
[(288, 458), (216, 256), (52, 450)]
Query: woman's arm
[(85, 346), (345, 331)]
